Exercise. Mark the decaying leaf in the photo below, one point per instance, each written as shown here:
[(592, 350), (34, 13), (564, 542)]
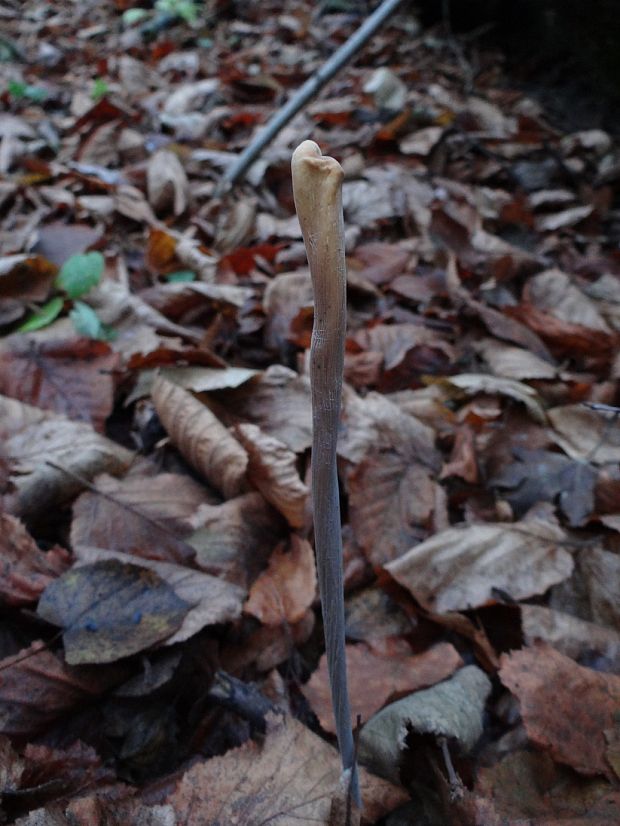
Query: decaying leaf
[(391, 500), (37, 687), (272, 468), (585, 434), (566, 708), (474, 383), (144, 515), (26, 569), (109, 610), (291, 778), (461, 568), (233, 540), (514, 362), (375, 679), (167, 183), (201, 438), (70, 377), (452, 709), (285, 591), (51, 455), (210, 600)]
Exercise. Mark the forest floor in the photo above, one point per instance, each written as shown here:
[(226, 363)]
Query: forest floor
[(161, 654)]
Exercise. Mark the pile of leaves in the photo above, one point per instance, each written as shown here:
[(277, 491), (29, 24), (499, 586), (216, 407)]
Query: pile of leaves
[(161, 648)]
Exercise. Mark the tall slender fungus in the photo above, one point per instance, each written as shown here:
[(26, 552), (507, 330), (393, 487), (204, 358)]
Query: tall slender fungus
[(317, 188)]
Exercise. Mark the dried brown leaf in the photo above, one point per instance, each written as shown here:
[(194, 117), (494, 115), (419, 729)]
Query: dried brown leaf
[(291, 778), (461, 568), (201, 438), (375, 679), (167, 183), (566, 708), (585, 434), (272, 469), (26, 569), (285, 591)]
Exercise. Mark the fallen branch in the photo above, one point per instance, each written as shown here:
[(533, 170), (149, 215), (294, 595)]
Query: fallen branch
[(310, 88)]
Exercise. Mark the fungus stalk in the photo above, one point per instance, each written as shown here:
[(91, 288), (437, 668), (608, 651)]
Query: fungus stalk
[(317, 189)]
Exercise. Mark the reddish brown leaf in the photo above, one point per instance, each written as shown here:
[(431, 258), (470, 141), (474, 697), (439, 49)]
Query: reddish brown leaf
[(566, 708), (285, 591), (374, 680), (75, 378)]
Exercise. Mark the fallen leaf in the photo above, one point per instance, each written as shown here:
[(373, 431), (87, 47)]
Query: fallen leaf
[(272, 468), (201, 438), (74, 378), (566, 708), (371, 614), (553, 291), (110, 610), (574, 637), (391, 502), (374, 679), (144, 515), (285, 591), (26, 569), (285, 296), (452, 709), (514, 362), (234, 540), (543, 476), (585, 434), (473, 383), (167, 183), (37, 687), (46, 468), (461, 568), (292, 777), (211, 600)]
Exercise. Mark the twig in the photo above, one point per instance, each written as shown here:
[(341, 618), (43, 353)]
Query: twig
[(317, 188), (309, 89)]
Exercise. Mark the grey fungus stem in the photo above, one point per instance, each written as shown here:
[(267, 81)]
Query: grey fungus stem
[(317, 189)]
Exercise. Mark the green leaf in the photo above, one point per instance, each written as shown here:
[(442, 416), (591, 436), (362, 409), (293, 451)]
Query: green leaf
[(99, 90), (180, 276), (80, 273), (132, 16), (43, 316), (25, 90), (87, 323)]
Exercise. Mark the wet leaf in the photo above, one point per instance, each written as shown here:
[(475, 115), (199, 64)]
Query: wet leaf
[(109, 610)]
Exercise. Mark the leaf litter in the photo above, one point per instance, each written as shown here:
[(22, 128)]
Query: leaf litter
[(156, 426)]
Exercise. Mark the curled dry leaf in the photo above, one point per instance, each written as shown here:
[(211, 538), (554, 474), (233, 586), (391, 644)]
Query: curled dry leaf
[(461, 568), (452, 709), (292, 777), (167, 183), (26, 569), (201, 438), (211, 600), (39, 444), (273, 469), (285, 591), (374, 679), (37, 687), (233, 540), (474, 383), (144, 515), (566, 708)]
